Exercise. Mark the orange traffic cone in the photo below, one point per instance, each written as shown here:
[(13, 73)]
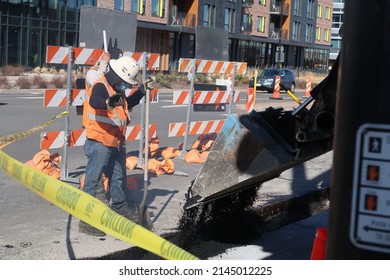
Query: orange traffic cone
[(276, 94), (250, 100), (308, 88), (319, 246)]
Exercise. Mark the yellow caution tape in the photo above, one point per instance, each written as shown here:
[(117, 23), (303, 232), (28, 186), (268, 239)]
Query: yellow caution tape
[(85, 207), (5, 140)]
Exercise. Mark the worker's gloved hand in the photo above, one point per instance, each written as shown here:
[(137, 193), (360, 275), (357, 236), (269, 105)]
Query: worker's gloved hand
[(147, 84), (114, 101)]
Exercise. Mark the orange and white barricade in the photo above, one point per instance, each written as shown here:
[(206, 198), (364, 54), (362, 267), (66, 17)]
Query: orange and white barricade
[(276, 94), (56, 139), (199, 127), (250, 100), (203, 97), (85, 56), (195, 66), (75, 97), (308, 88)]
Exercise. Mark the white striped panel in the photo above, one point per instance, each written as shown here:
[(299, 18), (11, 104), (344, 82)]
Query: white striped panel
[(83, 57), (59, 141), (178, 95), (57, 98), (176, 128), (81, 140), (60, 55), (79, 99)]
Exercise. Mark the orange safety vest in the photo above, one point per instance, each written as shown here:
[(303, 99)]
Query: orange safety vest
[(106, 126)]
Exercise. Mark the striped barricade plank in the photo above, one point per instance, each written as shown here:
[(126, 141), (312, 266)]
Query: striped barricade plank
[(198, 127), (52, 139), (204, 97), (134, 132), (55, 139), (86, 56), (212, 66), (82, 56), (153, 59), (57, 97)]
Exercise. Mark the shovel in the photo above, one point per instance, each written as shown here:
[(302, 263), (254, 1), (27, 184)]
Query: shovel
[(143, 214)]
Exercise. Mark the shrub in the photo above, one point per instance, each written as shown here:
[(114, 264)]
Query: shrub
[(11, 70), (58, 81), (201, 78), (162, 81), (23, 82), (4, 83), (40, 82)]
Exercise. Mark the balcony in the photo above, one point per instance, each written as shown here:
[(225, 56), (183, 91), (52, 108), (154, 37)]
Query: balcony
[(183, 19), (277, 34), (247, 3), (277, 7)]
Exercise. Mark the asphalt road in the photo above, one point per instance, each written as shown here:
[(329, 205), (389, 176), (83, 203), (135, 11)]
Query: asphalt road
[(33, 228)]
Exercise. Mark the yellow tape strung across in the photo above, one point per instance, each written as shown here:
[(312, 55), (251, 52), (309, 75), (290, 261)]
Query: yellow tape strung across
[(5, 140), (84, 206)]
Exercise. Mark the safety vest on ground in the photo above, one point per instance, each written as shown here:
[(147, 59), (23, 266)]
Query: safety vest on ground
[(106, 126)]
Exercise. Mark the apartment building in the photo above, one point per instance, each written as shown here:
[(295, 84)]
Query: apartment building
[(337, 22), (290, 33)]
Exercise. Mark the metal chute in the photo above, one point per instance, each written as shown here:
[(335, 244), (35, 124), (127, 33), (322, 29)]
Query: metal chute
[(255, 148)]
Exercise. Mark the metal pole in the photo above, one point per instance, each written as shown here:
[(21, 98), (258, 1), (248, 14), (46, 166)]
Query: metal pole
[(232, 88), (357, 231), (105, 41), (142, 117), (193, 69), (64, 169)]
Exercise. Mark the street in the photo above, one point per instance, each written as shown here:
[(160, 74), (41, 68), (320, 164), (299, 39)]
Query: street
[(36, 229)]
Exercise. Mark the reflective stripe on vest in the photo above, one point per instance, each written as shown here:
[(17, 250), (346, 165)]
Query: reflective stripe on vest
[(107, 126), (107, 120)]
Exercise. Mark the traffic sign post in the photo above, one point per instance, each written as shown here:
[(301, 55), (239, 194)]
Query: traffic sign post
[(359, 211), (371, 189)]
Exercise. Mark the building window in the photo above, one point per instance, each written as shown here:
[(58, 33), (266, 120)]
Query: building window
[(247, 22), (297, 7), (230, 18), (327, 13), (118, 5), (260, 27), (326, 35), (209, 15), (318, 33), (138, 6), (310, 9), (158, 8), (319, 11), (296, 31), (309, 33)]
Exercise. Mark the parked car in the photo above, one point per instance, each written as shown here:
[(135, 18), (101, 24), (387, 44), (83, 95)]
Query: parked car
[(266, 79)]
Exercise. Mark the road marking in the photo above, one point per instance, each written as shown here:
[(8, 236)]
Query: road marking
[(174, 106)]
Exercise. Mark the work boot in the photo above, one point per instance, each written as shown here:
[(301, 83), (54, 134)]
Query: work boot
[(90, 230), (128, 214)]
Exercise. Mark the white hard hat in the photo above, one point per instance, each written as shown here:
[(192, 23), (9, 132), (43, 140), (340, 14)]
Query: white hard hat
[(126, 68)]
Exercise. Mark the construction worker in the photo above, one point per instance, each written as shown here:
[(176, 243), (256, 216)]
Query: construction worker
[(107, 117)]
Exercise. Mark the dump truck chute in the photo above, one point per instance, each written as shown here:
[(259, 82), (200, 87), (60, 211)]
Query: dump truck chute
[(254, 148)]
